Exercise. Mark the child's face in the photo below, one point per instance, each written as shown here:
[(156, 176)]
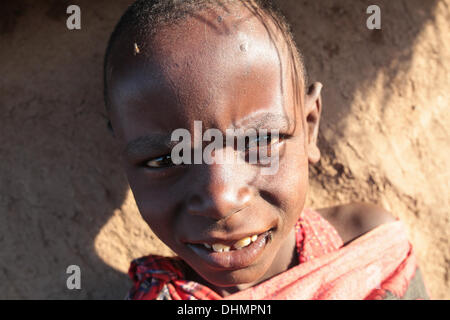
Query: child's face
[(225, 73)]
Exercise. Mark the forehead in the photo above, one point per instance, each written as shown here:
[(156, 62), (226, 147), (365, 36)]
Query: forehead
[(217, 67)]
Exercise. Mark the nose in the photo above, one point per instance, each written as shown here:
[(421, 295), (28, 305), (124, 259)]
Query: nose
[(223, 190)]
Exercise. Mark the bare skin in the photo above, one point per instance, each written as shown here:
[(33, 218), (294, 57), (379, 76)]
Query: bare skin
[(238, 78), (355, 219)]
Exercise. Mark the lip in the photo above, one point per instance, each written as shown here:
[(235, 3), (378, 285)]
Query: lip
[(233, 259)]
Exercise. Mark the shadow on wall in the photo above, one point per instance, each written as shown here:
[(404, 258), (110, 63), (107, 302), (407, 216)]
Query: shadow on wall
[(60, 176), (61, 179)]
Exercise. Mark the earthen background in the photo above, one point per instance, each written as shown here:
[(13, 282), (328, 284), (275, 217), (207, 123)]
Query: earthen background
[(64, 199)]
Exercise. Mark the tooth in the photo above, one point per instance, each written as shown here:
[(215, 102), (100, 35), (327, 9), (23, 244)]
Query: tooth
[(207, 245), (242, 243), (254, 238), (218, 247)]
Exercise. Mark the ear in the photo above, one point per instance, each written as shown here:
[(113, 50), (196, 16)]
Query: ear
[(313, 110)]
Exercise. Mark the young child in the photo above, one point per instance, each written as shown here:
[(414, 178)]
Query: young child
[(238, 233)]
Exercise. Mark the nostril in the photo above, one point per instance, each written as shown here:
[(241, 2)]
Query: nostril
[(219, 203)]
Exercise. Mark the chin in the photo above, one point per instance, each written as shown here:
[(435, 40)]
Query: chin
[(231, 278)]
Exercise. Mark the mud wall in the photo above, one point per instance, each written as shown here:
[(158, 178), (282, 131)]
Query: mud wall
[(64, 199)]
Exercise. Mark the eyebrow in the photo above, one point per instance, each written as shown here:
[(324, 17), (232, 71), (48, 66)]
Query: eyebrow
[(266, 121), (141, 146), (161, 142)]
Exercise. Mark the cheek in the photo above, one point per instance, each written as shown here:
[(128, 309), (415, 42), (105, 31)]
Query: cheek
[(156, 203), (290, 184)]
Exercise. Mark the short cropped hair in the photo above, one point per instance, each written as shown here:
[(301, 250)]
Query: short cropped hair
[(145, 17)]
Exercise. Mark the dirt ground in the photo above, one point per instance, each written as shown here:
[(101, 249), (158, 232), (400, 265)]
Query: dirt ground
[(64, 199)]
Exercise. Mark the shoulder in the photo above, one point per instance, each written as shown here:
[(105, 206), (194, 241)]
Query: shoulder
[(355, 219)]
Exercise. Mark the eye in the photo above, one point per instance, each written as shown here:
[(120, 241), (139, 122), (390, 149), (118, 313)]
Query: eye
[(260, 149), (263, 141), (160, 162)]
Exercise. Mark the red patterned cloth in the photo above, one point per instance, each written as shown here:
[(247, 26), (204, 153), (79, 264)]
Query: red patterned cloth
[(161, 278), (377, 265)]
